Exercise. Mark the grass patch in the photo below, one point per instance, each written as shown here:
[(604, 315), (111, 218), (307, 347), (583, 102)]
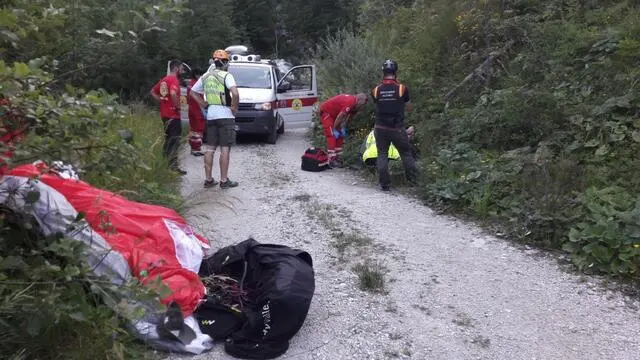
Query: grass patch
[(150, 181), (302, 198), (370, 274), (325, 215), (484, 342), (371, 277), (346, 240)]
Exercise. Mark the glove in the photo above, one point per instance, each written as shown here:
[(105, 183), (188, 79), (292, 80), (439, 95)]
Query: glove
[(344, 132), (336, 133)]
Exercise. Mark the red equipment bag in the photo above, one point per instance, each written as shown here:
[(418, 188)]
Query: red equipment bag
[(314, 159)]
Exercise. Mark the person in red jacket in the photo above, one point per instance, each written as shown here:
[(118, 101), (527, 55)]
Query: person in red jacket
[(167, 93), (196, 116), (335, 113)]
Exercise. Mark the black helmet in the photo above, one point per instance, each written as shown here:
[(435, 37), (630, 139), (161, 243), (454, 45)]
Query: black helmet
[(389, 66)]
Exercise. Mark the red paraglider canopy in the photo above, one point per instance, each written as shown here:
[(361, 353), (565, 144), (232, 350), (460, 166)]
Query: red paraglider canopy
[(155, 241)]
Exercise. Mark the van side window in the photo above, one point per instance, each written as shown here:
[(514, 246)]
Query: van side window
[(300, 79)]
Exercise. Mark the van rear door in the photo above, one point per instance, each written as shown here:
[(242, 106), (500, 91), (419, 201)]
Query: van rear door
[(297, 96)]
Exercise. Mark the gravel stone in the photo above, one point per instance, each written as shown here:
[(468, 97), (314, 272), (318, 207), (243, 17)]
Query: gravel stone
[(456, 293)]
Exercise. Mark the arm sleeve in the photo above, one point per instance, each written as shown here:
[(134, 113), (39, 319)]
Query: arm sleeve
[(348, 108), (156, 88), (197, 87), (229, 81), (175, 87)]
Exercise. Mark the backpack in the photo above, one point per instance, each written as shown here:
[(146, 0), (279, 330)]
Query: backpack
[(280, 284), (217, 319), (314, 159)]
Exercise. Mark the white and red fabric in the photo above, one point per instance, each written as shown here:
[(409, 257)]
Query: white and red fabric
[(125, 238)]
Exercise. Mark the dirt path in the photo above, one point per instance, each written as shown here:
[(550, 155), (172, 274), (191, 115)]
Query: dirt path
[(452, 292)]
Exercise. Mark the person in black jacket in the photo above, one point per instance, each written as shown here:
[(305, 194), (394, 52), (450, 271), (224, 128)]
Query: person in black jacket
[(391, 99)]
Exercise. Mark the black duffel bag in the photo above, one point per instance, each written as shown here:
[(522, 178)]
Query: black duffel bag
[(280, 284)]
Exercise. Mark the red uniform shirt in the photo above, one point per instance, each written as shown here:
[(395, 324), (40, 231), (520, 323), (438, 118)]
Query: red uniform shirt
[(196, 119), (163, 88), (339, 103)]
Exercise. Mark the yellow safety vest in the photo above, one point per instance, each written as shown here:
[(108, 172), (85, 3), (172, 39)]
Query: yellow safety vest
[(214, 89), (371, 152)]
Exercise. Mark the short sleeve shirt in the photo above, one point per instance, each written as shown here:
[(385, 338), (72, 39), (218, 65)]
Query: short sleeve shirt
[(163, 88)]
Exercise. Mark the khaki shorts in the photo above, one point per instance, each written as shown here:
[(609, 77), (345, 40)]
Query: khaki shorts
[(219, 132)]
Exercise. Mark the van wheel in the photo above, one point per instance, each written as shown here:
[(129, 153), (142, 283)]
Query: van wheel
[(273, 135)]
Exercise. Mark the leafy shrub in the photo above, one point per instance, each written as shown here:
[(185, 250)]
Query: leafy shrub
[(607, 239)]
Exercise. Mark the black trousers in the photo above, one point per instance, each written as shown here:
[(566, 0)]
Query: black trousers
[(172, 133), (399, 139)]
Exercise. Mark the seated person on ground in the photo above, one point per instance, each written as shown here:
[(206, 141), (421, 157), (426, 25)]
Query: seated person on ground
[(369, 152)]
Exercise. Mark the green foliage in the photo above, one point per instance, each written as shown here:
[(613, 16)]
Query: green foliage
[(123, 46), (523, 108), (52, 304), (120, 46), (608, 237)]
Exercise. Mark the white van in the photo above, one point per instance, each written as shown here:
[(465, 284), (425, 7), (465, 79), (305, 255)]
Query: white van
[(269, 99)]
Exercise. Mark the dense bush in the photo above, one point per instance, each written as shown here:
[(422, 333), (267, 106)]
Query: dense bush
[(528, 114)]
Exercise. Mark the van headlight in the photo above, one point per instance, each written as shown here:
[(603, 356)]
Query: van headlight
[(263, 106)]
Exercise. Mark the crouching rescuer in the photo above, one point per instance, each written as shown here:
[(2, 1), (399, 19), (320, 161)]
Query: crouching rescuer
[(391, 98), (335, 113)]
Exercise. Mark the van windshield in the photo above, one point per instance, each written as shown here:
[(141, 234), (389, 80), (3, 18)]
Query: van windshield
[(251, 76)]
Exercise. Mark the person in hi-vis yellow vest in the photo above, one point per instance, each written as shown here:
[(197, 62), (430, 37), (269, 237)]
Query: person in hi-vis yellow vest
[(370, 152), (217, 93)]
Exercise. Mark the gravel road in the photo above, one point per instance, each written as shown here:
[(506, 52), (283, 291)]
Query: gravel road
[(452, 291)]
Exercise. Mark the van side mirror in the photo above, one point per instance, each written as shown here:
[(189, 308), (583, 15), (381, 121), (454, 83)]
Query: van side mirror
[(284, 87)]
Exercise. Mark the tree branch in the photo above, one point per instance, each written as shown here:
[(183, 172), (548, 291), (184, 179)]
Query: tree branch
[(482, 72)]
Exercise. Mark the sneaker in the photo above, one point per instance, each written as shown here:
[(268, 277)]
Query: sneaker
[(384, 187), (197, 153), (228, 184), (335, 164), (180, 171), (210, 183)]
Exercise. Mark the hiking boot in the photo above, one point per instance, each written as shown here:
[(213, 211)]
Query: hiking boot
[(228, 184), (210, 183)]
